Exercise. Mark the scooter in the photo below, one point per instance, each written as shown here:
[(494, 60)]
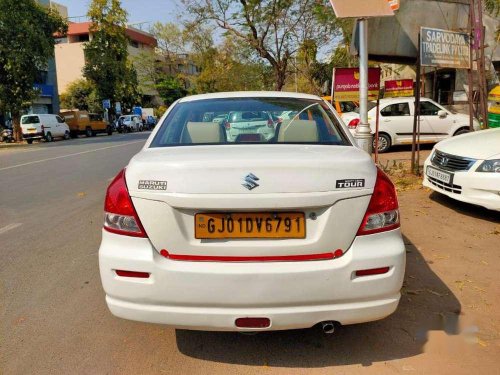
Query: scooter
[(6, 135)]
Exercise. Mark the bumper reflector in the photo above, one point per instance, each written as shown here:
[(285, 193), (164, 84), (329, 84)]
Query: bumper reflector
[(253, 322), (372, 271), (139, 275), (269, 258)]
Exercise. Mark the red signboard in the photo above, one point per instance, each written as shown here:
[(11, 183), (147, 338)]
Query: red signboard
[(398, 87), (346, 84)]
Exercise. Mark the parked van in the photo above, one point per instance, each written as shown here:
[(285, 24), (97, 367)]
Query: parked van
[(43, 126), (82, 122)]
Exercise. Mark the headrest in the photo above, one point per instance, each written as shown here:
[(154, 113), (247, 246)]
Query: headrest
[(203, 132), (298, 131)]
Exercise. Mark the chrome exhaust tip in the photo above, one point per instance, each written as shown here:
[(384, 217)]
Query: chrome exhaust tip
[(328, 327)]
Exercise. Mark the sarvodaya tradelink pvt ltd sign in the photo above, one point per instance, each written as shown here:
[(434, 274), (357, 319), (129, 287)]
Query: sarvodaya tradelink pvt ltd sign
[(444, 48)]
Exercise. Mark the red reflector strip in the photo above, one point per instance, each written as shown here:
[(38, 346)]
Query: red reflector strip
[(373, 271), (276, 258), (253, 322), (140, 275)]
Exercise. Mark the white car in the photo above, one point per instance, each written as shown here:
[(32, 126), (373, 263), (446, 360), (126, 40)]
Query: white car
[(396, 121), (207, 233), (43, 126), (131, 123), (467, 168)]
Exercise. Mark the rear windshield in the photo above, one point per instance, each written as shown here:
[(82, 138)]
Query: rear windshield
[(30, 120), (371, 105), (250, 120)]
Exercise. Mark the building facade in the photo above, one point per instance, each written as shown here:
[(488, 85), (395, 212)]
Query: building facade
[(70, 57)]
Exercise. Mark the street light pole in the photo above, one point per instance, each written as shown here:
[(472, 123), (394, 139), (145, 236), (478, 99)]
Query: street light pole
[(363, 133)]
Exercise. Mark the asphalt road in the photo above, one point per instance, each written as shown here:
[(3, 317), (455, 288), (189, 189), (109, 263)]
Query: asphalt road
[(54, 319)]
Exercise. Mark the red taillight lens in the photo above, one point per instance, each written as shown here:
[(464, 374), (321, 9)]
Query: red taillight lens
[(270, 123), (353, 123), (372, 271), (382, 213), (134, 274), (120, 216), (227, 125)]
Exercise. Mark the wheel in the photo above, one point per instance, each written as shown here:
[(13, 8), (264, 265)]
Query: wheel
[(88, 132), (384, 143), (110, 131), (66, 135), (48, 137), (461, 131), (30, 141)]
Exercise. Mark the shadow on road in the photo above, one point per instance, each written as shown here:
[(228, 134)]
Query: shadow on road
[(465, 208), (426, 304)]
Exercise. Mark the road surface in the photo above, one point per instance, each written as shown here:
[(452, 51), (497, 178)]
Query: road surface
[(54, 319)]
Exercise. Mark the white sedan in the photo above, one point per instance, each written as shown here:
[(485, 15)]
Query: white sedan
[(396, 121), (205, 232), (467, 168)]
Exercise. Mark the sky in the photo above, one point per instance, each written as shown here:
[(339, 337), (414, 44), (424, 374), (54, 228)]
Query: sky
[(138, 10)]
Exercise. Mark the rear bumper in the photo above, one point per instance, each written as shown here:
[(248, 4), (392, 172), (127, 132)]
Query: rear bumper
[(211, 296), (33, 135)]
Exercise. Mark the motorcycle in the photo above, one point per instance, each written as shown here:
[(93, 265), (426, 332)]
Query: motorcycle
[(6, 135)]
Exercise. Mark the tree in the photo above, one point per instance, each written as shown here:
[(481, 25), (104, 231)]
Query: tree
[(274, 29), (171, 89), (106, 64), (81, 94), (26, 44)]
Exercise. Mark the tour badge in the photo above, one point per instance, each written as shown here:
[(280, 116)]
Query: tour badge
[(152, 185), (351, 183)]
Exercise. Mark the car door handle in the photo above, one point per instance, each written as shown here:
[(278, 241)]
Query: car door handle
[(387, 120)]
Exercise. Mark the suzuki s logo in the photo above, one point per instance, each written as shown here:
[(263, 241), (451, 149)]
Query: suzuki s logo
[(250, 181)]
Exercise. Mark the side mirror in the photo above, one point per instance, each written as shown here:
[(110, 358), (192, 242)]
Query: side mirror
[(442, 114)]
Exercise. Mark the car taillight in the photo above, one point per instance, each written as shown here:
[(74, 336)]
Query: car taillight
[(353, 123), (382, 213), (270, 123), (227, 124), (120, 216)]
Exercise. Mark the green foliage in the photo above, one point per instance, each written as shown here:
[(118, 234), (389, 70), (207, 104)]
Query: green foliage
[(171, 89), (106, 54), (273, 29), (81, 94), (26, 44)]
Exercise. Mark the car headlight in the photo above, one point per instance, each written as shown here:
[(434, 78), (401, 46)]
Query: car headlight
[(489, 166)]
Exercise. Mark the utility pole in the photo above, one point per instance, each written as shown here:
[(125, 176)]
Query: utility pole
[(363, 133)]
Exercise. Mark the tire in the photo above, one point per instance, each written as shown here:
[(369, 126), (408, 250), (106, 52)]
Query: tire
[(30, 141), (67, 135), (384, 143), (49, 137), (461, 131), (109, 130), (88, 132)]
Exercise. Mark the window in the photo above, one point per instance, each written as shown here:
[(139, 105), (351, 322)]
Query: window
[(82, 38), (255, 120), (134, 44), (30, 120), (397, 109), (429, 109), (59, 120)]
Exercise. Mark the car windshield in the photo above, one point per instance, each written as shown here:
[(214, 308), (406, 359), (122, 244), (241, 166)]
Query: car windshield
[(371, 105), (250, 120), (30, 120)]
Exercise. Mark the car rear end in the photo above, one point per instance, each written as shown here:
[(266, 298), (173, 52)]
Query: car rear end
[(32, 127), (243, 237)]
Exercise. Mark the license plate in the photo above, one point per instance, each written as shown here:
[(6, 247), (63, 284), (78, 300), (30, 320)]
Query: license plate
[(31, 130), (250, 225), (439, 175)]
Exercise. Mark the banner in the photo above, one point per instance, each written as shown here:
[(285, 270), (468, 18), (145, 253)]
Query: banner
[(346, 84), (398, 87), (444, 49)]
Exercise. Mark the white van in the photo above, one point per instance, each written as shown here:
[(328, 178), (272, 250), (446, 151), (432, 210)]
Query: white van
[(48, 127)]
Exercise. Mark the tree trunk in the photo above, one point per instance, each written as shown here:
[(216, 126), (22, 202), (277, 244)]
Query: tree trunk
[(16, 127), (280, 76)]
